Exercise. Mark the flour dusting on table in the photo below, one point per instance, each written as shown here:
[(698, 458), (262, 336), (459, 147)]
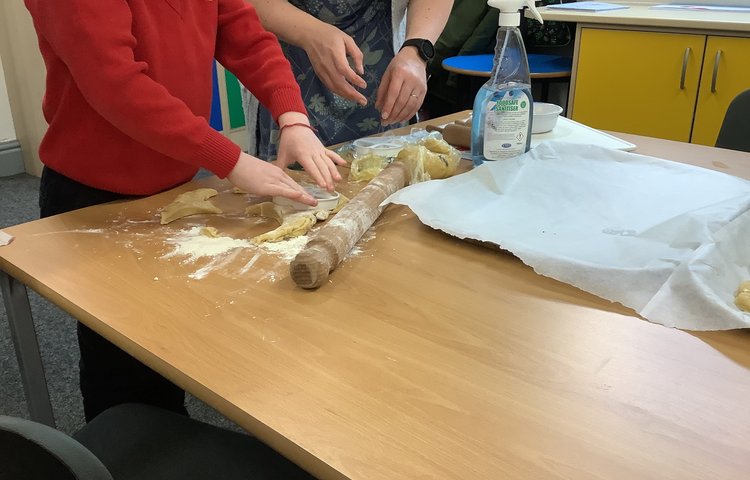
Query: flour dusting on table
[(288, 249), (192, 244), (227, 255)]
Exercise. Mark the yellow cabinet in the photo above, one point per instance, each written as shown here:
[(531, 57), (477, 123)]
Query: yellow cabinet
[(726, 73), (666, 85)]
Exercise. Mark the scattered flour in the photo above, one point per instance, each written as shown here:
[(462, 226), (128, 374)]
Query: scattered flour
[(218, 263), (358, 248), (81, 230), (250, 264), (223, 253), (192, 244), (288, 249)]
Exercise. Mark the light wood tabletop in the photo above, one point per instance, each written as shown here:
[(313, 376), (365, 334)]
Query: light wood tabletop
[(424, 357)]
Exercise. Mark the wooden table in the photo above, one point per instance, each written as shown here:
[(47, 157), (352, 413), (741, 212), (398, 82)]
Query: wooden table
[(423, 357)]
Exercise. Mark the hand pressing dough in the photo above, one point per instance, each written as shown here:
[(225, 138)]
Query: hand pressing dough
[(742, 300), (292, 223), (190, 203)]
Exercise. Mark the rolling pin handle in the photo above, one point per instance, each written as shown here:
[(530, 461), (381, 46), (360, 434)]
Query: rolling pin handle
[(310, 268)]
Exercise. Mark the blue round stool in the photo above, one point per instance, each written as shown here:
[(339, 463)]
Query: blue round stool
[(546, 68)]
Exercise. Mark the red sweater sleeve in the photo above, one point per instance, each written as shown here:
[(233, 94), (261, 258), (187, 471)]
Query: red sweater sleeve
[(94, 40), (254, 55)]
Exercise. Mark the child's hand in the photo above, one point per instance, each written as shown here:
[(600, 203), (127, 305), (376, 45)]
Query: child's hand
[(300, 144), (255, 176)]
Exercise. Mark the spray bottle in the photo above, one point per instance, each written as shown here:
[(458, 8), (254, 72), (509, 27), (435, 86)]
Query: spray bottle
[(503, 108)]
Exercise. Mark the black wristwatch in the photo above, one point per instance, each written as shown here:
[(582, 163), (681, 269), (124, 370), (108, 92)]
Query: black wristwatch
[(425, 48)]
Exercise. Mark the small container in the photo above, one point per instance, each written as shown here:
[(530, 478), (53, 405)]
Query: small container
[(326, 200), (382, 146), (545, 117)]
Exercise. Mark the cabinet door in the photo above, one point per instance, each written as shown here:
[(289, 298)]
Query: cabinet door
[(644, 83), (726, 73)]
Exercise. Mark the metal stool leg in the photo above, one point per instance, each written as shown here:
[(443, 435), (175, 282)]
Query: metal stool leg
[(545, 90), (27, 349)]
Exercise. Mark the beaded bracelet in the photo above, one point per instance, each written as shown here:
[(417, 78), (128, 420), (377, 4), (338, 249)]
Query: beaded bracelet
[(299, 124)]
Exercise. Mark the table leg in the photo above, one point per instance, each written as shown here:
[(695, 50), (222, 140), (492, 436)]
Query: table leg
[(27, 349)]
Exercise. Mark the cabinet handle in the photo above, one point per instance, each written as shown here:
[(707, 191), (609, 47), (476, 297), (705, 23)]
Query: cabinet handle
[(716, 71), (685, 59)]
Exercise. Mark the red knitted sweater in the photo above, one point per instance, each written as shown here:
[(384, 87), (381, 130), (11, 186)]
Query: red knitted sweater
[(129, 87)]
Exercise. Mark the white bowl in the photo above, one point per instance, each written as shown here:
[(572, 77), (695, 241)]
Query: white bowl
[(545, 117)]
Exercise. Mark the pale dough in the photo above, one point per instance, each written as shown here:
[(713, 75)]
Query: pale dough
[(366, 167), (742, 300), (431, 158), (190, 203), (429, 164), (293, 223), (211, 232)]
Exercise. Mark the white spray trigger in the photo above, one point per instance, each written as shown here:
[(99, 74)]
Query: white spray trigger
[(509, 11)]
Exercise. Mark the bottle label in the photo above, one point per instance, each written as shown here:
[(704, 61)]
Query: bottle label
[(506, 125)]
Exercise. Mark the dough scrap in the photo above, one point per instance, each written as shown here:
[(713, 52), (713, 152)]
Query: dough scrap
[(343, 200), (211, 232), (292, 223), (366, 167), (742, 299), (266, 210), (190, 203), (238, 190)]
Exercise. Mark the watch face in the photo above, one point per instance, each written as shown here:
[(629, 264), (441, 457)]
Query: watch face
[(428, 50), (425, 48)]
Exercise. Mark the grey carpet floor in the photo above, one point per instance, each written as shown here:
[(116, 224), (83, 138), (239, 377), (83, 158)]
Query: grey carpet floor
[(56, 332)]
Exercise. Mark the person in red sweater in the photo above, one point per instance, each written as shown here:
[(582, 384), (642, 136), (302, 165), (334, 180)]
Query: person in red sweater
[(127, 99)]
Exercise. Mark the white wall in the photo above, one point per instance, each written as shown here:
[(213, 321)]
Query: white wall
[(7, 132)]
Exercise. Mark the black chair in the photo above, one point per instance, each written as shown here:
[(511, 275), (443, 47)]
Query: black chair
[(735, 129), (137, 442)]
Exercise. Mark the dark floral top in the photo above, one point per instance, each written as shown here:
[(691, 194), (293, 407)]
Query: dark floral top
[(338, 119)]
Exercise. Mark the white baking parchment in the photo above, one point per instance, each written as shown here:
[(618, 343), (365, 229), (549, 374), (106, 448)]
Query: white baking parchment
[(671, 241)]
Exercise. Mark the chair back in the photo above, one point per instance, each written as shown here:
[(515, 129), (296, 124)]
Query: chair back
[(735, 130), (32, 451)]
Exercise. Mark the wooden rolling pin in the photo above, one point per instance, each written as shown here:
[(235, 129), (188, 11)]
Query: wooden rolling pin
[(454, 133), (326, 249)]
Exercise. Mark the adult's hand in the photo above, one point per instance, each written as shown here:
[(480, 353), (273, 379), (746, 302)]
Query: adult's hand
[(255, 176), (403, 87), (329, 50)]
